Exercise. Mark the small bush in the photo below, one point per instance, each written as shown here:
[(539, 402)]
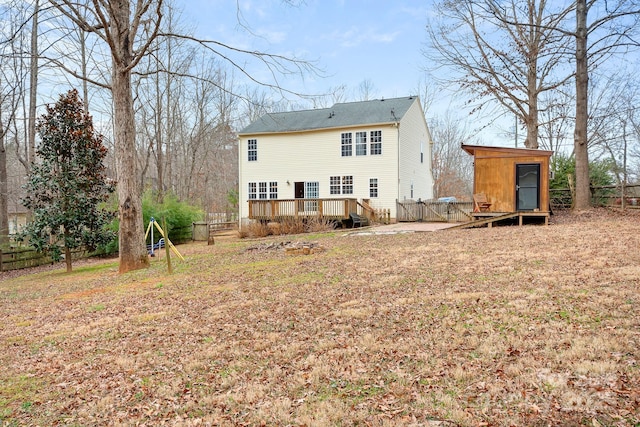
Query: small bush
[(292, 226), (288, 226), (315, 225), (254, 229)]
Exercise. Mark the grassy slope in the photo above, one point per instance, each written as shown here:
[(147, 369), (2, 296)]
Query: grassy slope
[(505, 326)]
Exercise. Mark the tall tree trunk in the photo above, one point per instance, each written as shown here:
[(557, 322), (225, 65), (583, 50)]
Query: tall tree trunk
[(33, 87), (532, 78), (4, 193), (580, 147), (133, 251), (532, 116), (83, 59), (159, 138)]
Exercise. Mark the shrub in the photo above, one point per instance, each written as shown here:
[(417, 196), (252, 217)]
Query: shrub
[(288, 226), (178, 215)]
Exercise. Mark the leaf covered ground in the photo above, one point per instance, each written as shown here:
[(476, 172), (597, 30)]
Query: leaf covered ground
[(522, 326)]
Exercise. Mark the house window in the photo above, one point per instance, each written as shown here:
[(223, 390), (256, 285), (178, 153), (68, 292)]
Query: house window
[(262, 190), (334, 185), (347, 184), (361, 143), (252, 191), (376, 142), (252, 150), (347, 147), (373, 187), (421, 152), (273, 190)]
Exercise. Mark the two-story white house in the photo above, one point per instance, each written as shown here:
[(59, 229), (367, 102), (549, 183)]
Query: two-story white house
[(375, 151)]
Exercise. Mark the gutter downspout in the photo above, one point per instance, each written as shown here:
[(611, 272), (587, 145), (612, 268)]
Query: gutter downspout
[(240, 201), (397, 125)]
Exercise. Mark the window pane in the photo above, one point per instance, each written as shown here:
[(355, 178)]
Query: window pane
[(373, 187), (347, 144), (252, 150), (334, 185), (273, 190), (262, 190), (376, 142), (361, 143), (347, 184)]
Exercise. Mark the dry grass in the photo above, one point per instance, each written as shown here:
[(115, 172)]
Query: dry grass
[(525, 326)]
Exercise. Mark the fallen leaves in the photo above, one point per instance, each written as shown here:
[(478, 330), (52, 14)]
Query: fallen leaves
[(467, 328)]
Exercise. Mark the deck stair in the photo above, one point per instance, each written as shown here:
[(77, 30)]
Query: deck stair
[(485, 221)]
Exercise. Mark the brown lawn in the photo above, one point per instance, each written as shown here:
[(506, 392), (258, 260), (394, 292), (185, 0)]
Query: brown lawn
[(522, 326)]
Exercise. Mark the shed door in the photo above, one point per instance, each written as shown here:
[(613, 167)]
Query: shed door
[(527, 187)]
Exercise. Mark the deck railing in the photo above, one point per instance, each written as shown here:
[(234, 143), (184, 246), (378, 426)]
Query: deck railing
[(278, 210)]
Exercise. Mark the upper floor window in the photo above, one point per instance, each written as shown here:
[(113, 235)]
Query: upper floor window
[(347, 144), (373, 187), (361, 143), (376, 142), (252, 150)]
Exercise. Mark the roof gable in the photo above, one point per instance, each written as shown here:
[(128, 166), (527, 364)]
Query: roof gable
[(340, 115)]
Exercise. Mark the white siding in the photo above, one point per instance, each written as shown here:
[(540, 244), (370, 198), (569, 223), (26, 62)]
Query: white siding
[(316, 156), (414, 137)]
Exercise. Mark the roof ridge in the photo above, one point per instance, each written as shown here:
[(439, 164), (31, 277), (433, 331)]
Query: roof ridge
[(383, 99)]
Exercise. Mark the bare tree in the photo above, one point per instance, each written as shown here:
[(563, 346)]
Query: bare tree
[(614, 26), (366, 90), (504, 52), (12, 75), (556, 121), (452, 167)]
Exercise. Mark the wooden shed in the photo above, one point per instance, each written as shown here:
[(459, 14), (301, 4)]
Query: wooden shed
[(513, 180)]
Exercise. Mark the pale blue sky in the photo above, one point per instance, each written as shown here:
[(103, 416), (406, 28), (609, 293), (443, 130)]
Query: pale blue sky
[(351, 40)]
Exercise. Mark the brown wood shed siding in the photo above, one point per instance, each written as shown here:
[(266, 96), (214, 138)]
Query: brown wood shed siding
[(495, 176)]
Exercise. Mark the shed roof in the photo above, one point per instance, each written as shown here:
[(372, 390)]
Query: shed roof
[(378, 111), (473, 149)]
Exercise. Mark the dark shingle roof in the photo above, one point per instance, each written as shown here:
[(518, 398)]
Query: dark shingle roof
[(340, 115)]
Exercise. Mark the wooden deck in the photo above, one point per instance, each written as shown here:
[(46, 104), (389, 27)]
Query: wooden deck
[(327, 209)]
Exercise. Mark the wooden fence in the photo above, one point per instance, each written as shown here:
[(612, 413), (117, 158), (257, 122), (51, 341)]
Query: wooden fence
[(19, 258), (433, 211), (607, 195)]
